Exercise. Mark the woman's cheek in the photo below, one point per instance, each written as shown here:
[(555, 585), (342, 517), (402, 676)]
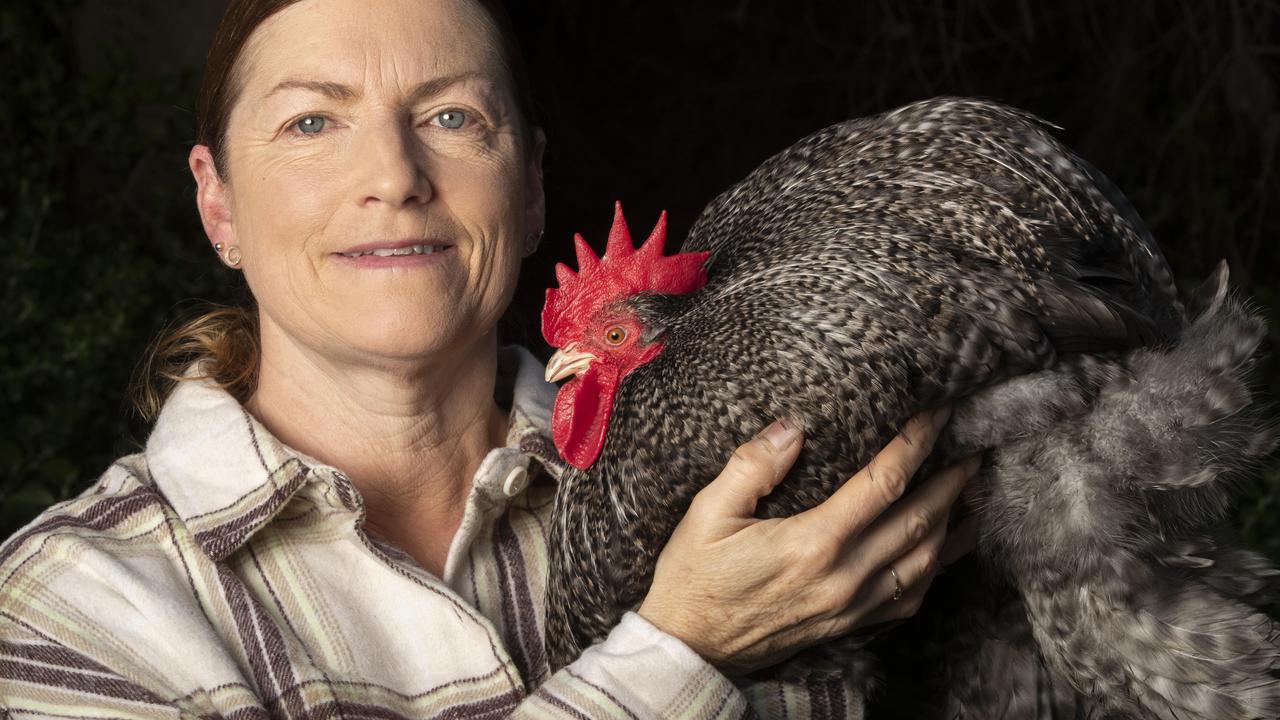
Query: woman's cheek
[(293, 198), (485, 151)]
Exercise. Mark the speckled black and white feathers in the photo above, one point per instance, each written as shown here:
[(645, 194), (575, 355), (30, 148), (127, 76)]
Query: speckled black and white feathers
[(878, 268)]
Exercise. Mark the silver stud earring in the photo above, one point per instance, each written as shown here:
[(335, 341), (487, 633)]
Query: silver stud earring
[(217, 247)]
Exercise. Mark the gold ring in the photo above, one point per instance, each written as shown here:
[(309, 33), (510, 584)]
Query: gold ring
[(897, 584)]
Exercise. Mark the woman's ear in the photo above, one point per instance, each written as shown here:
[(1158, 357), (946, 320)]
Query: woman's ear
[(211, 198), (536, 206)]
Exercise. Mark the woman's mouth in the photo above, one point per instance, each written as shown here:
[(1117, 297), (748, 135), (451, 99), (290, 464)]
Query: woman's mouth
[(398, 252), (395, 254)]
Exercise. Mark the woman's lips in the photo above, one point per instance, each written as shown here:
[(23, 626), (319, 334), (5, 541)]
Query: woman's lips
[(395, 254)]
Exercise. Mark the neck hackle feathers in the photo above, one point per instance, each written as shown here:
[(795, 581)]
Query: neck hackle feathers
[(624, 270)]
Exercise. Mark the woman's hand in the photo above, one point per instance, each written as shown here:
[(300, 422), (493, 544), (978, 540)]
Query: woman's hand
[(746, 593)]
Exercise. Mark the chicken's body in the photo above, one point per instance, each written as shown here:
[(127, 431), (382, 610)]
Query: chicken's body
[(875, 269)]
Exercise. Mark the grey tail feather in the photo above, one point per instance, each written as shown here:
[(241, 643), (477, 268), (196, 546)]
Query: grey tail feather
[(1212, 293), (1194, 426), (1081, 318), (1150, 267), (1173, 648), (1240, 574)]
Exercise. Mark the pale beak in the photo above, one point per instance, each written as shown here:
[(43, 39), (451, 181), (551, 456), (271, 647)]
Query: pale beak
[(567, 361)]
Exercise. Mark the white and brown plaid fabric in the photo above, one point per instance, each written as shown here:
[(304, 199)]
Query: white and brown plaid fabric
[(220, 574)]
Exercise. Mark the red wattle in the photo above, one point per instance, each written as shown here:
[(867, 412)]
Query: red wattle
[(581, 415)]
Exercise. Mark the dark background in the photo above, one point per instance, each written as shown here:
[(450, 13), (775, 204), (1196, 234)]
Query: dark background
[(661, 105)]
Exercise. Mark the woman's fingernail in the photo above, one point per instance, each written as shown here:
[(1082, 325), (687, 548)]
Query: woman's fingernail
[(940, 416), (781, 433)]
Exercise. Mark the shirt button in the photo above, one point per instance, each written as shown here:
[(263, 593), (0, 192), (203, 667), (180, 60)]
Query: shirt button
[(515, 482)]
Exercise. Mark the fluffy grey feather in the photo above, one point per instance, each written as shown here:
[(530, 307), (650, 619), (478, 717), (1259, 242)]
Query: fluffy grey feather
[(1102, 522), (953, 251)]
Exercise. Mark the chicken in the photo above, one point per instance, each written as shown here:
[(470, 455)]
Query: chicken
[(950, 251)]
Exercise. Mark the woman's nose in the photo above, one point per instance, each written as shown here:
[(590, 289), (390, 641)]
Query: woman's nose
[(392, 166)]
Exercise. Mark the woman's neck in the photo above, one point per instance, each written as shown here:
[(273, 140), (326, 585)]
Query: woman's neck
[(410, 437)]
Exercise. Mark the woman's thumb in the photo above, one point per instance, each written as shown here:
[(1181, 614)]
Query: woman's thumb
[(753, 471)]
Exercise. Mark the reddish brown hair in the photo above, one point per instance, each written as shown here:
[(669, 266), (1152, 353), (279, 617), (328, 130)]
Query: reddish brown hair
[(224, 340)]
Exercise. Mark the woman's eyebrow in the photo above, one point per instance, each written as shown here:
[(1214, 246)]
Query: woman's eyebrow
[(339, 91)]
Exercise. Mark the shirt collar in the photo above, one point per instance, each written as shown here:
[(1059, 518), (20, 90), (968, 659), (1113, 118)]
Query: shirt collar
[(226, 475)]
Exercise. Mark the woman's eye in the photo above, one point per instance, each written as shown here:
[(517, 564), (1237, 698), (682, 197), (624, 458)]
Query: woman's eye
[(310, 125), (452, 119), (615, 335)]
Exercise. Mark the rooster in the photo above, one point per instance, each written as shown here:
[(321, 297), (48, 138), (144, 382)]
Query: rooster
[(951, 251)]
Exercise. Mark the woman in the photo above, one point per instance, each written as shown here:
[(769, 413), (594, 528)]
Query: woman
[(340, 509)]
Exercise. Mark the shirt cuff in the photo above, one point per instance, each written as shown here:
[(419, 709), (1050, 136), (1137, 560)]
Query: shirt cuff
[(655, 673)]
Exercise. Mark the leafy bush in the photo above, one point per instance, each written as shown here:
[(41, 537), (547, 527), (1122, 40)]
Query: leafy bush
[(100, 240)]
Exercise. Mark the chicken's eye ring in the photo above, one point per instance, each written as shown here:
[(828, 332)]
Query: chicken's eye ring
[(615, 335)]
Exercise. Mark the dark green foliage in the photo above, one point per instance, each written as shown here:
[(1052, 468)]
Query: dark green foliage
[(99, 239), (659, 104)]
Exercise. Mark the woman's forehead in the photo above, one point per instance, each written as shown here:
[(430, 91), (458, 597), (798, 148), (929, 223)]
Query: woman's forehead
[(358, 43)]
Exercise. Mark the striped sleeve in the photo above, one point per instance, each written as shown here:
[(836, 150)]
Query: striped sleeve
[(44, 680), (637, 672)]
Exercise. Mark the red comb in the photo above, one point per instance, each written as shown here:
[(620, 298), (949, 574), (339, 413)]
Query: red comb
[(623, 271)]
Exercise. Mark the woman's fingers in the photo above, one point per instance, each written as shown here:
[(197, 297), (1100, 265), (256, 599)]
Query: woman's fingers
[(901, 609), (753, 471), (864, 496), (912, 569), (745, 593), (915, 571), (909, 521)]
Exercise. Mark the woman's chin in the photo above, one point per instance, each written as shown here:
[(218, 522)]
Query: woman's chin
[(410, 340)]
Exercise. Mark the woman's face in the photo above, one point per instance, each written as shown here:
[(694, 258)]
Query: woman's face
[(387, 127)]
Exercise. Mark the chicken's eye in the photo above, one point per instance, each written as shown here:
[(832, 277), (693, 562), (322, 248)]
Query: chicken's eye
[(615, 335)]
